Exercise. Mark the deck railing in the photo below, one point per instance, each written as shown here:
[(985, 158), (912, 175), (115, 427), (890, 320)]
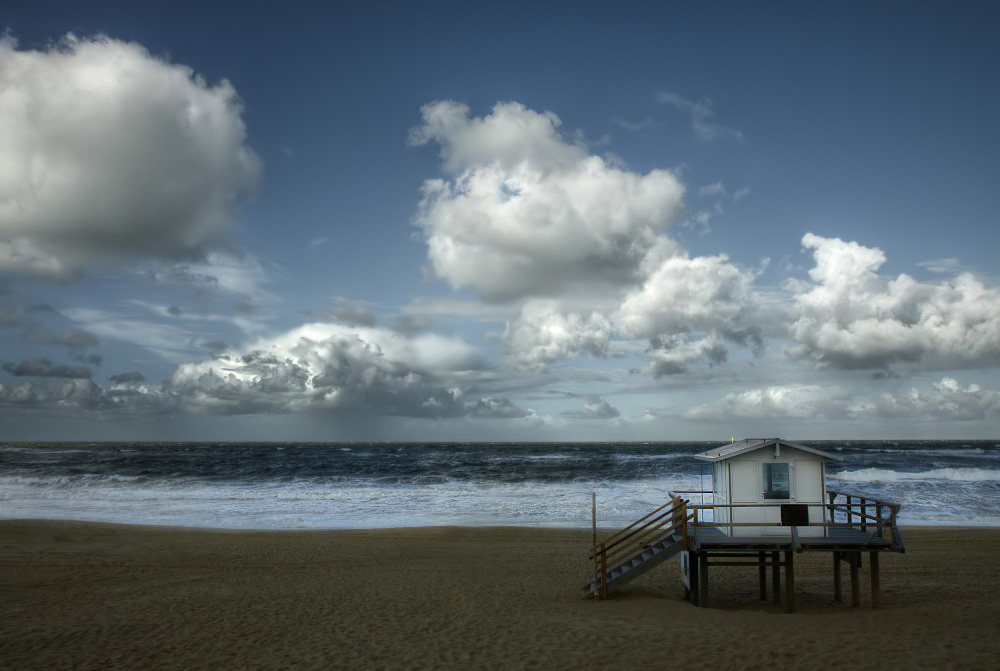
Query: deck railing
[(873, 514), (844, 509), (671, 518)]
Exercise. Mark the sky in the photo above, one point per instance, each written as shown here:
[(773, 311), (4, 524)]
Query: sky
[(499, 221)]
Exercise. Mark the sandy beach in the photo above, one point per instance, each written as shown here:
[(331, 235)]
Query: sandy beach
[(100, 596)]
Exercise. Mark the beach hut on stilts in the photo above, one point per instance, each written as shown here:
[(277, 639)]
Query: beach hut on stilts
[(769, 501)]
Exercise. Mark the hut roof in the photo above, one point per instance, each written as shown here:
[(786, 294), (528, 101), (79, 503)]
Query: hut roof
[(730, 450)]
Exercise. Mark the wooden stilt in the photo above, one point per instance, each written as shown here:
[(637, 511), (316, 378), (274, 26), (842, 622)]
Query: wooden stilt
[(762, 575), (855, 562), (593, 523), (873, 572), (703, 579), (837, 592), (775, 577), (695, 578), (789, 582)]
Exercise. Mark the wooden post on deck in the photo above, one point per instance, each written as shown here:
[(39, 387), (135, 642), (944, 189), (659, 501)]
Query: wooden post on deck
[(762, 575), (789, 581), (855, 562), (873, 572), (776, 577), (837, 592)]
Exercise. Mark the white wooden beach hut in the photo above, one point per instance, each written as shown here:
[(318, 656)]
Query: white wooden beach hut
[(769, 503), (774, 480)]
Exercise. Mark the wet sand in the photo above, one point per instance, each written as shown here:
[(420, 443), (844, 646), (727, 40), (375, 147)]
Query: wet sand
[(98, 596)]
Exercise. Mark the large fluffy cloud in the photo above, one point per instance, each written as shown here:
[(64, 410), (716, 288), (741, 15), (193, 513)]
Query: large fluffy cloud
[(528, 213), (946, 400), (851, 317), (327, 366), (109, 152)]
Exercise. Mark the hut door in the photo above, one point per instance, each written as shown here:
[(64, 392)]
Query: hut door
[(809, 489), (744, 483)]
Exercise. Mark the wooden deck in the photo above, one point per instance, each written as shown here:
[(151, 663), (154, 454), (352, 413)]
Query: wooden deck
[(848, 539)]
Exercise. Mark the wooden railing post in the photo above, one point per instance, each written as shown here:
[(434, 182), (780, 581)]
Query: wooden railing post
[(593, 524), (864, 517), (604, 573), (833, 513)]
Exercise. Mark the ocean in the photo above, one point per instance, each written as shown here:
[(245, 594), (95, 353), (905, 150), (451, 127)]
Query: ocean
[(358, 485)]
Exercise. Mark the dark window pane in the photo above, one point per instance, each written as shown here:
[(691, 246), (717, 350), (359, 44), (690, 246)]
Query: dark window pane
[(776, 481)]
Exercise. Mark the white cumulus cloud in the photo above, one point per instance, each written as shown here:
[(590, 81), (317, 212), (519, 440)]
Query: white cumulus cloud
[(794, 400), (852, 317), (544, 333), (946, 400), (689, 309), (109, 152), (528, 213), (332, 366)]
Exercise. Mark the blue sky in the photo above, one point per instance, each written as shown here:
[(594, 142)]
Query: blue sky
[(524, 221)]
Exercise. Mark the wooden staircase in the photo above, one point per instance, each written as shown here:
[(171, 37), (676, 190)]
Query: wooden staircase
[(640, 546)]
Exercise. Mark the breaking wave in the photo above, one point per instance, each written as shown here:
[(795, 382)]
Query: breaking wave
[(952, 474)]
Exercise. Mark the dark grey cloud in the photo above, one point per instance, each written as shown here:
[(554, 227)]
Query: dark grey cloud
[(41, 307), (181, 274), (128, 377), (92, 359), (244, 306), (412, 323), (50, 395), (75, 339), (214, 345), (353, 315), (497, 408), (45, 368)]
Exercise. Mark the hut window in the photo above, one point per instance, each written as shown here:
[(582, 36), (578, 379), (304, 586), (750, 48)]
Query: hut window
[(776, 481)]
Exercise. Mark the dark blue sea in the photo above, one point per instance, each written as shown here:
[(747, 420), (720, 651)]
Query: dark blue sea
[(329, 486)]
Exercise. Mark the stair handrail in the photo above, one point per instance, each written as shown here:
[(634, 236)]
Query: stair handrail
[(672, 501), (642, 540), (607, 546), (638, 535)]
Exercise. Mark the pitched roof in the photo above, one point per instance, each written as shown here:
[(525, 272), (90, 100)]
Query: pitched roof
[(730, 450)]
